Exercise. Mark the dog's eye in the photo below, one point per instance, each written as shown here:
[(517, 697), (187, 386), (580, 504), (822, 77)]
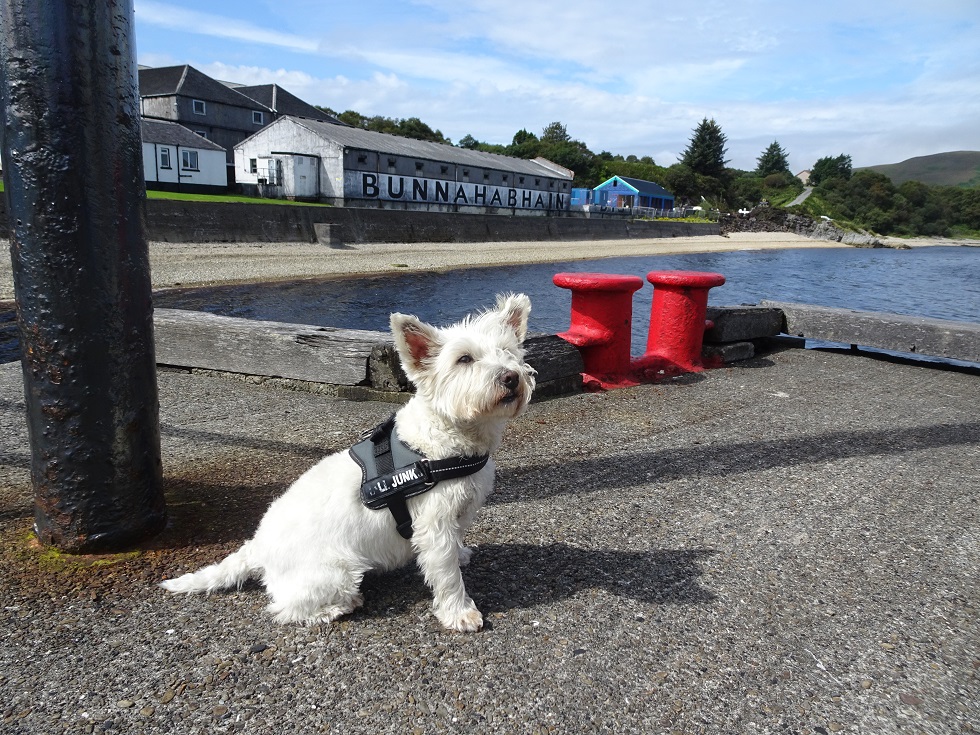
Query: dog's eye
[(464, 360)]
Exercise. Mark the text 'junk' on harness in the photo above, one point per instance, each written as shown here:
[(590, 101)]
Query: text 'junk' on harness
[(392, 472)]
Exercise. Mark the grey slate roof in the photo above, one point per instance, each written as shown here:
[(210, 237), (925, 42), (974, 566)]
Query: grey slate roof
[(170, 133), (187, 81), (351, 137), (284, 102)]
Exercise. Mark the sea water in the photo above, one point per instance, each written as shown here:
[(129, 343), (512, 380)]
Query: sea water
[(940, 282)]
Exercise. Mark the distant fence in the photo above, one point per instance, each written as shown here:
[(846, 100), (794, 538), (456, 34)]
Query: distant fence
[(600, 211)]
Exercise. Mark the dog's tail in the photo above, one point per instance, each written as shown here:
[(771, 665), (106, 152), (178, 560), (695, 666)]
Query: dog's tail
[(231, 572)]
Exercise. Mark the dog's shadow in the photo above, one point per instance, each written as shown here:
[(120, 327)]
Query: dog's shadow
[(505, 577)]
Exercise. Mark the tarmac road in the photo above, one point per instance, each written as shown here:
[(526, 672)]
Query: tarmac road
[(791, 544)]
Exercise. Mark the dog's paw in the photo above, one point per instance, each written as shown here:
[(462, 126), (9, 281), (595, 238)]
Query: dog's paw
[(464, 554), (464, 621)]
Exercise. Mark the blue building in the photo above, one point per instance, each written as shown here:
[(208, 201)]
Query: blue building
[(624, 192), (581, 197)]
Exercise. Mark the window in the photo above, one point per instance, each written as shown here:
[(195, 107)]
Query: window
[(188, 160), (444, 169), (258, 118), (198, 107), (202, 133), (165, 158), (419, 166), (362, 158), (253, 166)]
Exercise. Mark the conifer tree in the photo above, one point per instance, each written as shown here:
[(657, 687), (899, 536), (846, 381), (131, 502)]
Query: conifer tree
[(772, 161), (705, 153)]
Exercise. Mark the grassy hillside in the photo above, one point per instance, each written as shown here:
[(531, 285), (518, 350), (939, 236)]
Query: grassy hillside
[(957, 168)]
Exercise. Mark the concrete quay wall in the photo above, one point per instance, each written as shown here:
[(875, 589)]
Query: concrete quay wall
[(177, 221), (180, 221)]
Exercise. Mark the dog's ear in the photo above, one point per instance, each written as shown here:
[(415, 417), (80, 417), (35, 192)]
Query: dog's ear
[(515, 308), (415, 341)]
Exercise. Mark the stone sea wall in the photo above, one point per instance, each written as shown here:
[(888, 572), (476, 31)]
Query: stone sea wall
[(180, 221)]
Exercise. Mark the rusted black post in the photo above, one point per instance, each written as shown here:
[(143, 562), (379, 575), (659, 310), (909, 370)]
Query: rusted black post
[(73, 174)]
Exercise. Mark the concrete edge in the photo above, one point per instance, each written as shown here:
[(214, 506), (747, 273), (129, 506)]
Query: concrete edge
[(362, 365)]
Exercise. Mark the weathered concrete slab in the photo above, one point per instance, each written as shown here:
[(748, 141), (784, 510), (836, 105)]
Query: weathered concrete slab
[(196, 339), (341, 357), (786, 546), (936, 337), (728, 352), (741, 323)]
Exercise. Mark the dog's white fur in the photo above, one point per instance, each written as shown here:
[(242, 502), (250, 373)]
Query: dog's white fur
[(317, 540)]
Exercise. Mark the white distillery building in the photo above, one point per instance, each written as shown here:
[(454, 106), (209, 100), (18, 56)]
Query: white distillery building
[(176, 159), (297, 158)]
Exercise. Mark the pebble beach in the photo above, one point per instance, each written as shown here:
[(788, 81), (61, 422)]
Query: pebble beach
[(208, 264)]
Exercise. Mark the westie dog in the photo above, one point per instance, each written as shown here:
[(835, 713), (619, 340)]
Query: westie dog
[(317, 540)]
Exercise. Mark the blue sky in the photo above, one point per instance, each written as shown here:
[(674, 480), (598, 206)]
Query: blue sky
[(881, 81)]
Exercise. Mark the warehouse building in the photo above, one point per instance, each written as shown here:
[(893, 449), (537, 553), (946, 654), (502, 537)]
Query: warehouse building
[(301, 159)]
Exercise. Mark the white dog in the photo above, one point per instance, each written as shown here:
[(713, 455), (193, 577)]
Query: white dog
[(317, 540)]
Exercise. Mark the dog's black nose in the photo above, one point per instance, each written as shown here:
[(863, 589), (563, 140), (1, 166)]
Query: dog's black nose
[(510, 379)]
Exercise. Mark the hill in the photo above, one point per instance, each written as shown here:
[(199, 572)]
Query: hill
[(957, 168)]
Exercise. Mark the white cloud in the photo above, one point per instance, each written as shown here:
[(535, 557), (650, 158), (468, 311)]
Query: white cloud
[(823, 79), (174, 17)]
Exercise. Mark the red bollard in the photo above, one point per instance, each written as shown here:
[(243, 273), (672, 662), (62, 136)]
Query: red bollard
[(677, 322), (602, 315)]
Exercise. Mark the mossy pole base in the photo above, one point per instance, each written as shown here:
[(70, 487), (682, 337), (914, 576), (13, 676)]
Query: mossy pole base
[(74, 185)]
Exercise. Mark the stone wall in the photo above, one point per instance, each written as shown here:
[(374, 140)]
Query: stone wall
[(179, 221)]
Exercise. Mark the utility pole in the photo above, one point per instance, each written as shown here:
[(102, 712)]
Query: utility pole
[(73, 176)]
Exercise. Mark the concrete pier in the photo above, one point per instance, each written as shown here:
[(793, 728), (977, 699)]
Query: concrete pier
[(788, 544)]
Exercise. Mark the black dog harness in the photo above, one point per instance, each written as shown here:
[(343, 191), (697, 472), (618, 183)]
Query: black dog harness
[(392, 472)]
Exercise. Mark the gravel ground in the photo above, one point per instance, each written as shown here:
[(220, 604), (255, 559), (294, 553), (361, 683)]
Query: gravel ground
[(789, 545)]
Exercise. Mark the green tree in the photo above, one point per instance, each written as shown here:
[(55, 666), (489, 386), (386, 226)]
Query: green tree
[(555, 132), (772, 161), (414, 128), (524, 145), (705, 154), (353, 118), (828, 167), (468, 141), (681, 181)]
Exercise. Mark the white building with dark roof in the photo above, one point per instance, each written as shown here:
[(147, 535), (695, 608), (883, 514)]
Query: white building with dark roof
[(177, 159), (295, 158), (224, 113)]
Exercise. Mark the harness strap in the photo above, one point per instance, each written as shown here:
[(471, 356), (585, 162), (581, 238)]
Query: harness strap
[(403, 519), (389, 480)]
